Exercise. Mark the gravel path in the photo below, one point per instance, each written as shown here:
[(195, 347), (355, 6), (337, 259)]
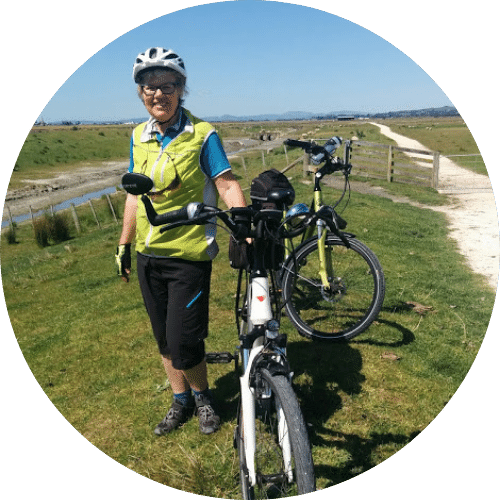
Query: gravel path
[(472, 212)]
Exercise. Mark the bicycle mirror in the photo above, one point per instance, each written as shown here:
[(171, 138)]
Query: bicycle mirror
[(136, 183)]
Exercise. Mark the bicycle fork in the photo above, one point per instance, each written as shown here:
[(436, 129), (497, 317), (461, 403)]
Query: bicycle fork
[(260, 313), (248, 421), (325, 256), (248, 416)]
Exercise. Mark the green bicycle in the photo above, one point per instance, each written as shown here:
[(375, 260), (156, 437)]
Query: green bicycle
[(333, 285)]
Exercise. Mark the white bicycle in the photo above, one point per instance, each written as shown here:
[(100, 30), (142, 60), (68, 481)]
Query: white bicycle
[(271, 436)]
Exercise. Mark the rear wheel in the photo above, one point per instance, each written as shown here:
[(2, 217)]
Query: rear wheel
[(283, 460), (350, 302)]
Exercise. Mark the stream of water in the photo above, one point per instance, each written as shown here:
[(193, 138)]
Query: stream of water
[(79, 200)]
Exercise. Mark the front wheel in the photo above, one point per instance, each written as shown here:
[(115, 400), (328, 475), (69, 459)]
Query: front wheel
[(283, 461), (350, 301)]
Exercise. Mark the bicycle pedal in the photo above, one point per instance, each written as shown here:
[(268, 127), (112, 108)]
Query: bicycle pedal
[(219, 357)]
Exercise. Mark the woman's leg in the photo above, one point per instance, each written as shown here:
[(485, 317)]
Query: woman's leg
[(183, 380)]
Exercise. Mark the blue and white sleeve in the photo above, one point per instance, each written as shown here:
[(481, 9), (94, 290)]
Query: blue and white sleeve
[(131, 166), (213, 158)]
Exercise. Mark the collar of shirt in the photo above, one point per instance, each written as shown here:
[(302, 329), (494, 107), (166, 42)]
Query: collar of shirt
[(151, 131)]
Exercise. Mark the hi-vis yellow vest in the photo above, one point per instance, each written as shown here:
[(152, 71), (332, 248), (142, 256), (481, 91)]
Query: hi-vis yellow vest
[(177, 168)]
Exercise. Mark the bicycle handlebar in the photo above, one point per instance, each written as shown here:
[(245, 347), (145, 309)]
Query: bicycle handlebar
[(235, 218), (196, 213), (319, 153), (328, 149)]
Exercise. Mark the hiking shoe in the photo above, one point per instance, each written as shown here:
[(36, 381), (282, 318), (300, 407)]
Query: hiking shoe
[(176, 416), (207, 415)]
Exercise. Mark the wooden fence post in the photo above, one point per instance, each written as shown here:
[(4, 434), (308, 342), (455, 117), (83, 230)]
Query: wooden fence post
[(244, 164), (11, 221), (263, 158), (435, 170), (245, 168), (32, 217), (390, 164), (75, 218), (305, 165), (95, 215), (111, 208)]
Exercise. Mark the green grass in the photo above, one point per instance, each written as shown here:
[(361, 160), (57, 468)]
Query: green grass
[(51, 150), (86, 337)]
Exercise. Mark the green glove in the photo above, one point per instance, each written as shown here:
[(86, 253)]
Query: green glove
[(123, 260)]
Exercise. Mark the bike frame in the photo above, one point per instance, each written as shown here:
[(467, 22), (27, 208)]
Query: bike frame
[(253, 344), (324, 253)]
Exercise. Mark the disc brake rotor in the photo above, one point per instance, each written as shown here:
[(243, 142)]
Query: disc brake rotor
[(335, 291)]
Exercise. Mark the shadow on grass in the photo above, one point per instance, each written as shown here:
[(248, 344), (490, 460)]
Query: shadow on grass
[(335, 369), (226, 391), (360, 450), (327, 365), (407, 336)]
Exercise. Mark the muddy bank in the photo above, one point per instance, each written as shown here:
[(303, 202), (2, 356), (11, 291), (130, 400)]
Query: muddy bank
[(41, 193)]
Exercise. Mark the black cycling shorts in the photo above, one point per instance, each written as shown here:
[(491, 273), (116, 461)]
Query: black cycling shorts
[(176, 295)]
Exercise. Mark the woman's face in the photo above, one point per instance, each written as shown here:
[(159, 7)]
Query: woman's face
[(159, 105)]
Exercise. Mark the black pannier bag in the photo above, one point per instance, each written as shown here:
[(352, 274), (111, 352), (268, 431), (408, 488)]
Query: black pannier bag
[(239, 253), (268, 182), (269, 190)]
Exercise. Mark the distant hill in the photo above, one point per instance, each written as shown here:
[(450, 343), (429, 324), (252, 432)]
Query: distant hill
[(301, 115), (298, 115), (443, 111), (290, 115)]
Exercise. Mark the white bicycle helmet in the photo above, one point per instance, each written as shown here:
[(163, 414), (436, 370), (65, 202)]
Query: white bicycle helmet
[(158, 57)]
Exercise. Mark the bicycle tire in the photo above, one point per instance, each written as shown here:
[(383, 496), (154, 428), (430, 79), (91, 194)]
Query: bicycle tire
[(350, 305), (272, 479)]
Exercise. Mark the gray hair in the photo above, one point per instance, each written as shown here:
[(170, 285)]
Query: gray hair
[(158, 72)]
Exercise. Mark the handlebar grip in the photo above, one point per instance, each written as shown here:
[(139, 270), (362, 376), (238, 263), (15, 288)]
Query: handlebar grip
[(173, 216), (297, 144), (185, 213)]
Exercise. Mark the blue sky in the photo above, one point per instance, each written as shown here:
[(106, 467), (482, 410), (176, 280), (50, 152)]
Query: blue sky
[(252, 57)]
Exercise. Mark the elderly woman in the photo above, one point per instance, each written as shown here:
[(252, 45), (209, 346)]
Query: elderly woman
[(184, 157)]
